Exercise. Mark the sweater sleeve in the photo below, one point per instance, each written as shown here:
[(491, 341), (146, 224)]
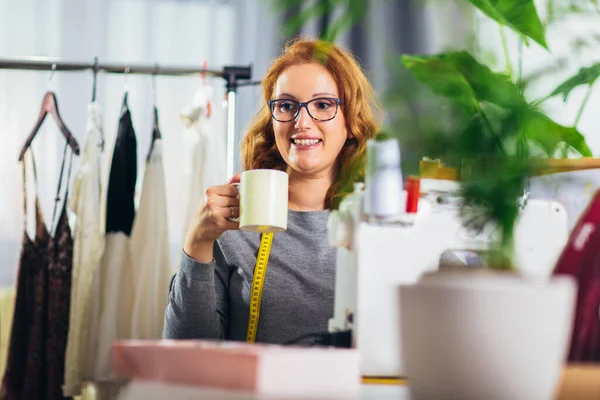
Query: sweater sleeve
[(198, 300)]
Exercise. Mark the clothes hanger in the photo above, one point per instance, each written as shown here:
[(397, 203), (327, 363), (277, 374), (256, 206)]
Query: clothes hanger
[(208, 104), (156, 134), (95, 83), (95, 72), (125, 105), (50, 106)]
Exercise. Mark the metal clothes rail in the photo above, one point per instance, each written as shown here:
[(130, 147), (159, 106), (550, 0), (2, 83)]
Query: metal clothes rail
[(234, 77)]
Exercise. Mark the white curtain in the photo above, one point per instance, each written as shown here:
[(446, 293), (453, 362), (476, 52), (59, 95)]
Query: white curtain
[(167, 32)]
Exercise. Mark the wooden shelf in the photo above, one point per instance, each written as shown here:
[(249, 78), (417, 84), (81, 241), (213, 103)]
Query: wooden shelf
[(554, 166)]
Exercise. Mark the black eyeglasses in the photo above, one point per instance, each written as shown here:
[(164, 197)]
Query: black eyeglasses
[(319, 109)]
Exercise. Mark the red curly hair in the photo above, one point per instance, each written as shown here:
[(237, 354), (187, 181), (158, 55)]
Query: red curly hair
[(259, 150)]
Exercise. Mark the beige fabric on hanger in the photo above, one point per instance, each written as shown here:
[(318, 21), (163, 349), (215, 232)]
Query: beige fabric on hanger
[(149, 249), (116, 302), (85, 202)]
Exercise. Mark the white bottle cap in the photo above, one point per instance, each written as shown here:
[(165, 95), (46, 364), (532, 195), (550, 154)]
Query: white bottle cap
[(383, 194)]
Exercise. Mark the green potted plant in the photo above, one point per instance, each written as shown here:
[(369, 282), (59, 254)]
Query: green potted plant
[(487, 333), (491, 333), (495, 315)]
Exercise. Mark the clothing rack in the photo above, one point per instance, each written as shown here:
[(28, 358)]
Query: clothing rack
[(234, 77)]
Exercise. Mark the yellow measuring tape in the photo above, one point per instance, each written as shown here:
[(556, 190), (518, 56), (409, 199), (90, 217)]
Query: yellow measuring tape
[(370, 380), (258, 281)]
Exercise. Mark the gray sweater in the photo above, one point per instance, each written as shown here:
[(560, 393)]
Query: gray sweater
[(212, 300)]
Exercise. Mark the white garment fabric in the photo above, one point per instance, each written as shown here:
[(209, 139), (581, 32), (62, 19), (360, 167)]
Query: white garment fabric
[(149, 249), (85, 202), (110, 317), (204, 152), (115, 287)]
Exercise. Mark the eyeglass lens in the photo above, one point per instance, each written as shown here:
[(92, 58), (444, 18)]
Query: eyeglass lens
[(319, 109)]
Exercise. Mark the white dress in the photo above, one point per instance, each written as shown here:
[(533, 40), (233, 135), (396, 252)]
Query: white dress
[(87, 252), (204, 152), (149, 250)]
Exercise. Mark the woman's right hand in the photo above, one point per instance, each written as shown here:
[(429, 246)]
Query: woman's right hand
[(211, 220)]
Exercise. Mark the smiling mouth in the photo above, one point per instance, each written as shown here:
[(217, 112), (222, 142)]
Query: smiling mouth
[(305, 142)]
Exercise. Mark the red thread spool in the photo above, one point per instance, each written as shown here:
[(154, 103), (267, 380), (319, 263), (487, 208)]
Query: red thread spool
[(413, 192)]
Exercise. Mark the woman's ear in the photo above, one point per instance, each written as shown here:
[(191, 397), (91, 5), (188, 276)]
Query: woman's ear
[(349, 134)]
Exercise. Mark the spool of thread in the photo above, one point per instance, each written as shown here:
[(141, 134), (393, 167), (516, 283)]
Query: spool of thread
[(413, 192), (383, 179)]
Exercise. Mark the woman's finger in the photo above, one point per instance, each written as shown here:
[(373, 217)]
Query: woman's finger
[(223, 201), (220, 216), (235, 178), (223, 223), (233, 211), (223, 190)]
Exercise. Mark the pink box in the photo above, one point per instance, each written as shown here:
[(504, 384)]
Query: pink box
[(288, 371)]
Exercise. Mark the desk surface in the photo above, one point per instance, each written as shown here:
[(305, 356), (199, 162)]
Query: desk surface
[(579, 381), (159, 391)]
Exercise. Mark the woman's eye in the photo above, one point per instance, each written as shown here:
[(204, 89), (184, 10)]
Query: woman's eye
[(287, 106), (323, 105)]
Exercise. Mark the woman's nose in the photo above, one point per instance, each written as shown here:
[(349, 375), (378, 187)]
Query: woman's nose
[(303, 120)]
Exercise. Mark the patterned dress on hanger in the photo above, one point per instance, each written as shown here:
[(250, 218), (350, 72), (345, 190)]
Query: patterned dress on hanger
[(35, 363)]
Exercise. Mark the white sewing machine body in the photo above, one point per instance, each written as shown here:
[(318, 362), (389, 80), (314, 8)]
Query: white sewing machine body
[(373, 259)]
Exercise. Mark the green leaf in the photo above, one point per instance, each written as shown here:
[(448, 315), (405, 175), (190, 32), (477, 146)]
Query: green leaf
[(519, 15), (355, 10), (476, 139), (285, 5), (442, 78), (541, 129), (460, 77), (585, 76), (294, 24)]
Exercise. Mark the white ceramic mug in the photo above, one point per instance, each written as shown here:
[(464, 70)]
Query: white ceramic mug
[(263, 200)]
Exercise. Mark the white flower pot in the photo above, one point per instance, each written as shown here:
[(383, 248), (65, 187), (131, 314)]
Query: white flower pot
[(485, 335)]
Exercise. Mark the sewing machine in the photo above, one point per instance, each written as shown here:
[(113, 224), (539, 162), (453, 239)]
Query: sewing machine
[(373, 258)]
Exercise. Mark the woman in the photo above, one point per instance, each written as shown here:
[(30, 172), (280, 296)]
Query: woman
[(317, 119)]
